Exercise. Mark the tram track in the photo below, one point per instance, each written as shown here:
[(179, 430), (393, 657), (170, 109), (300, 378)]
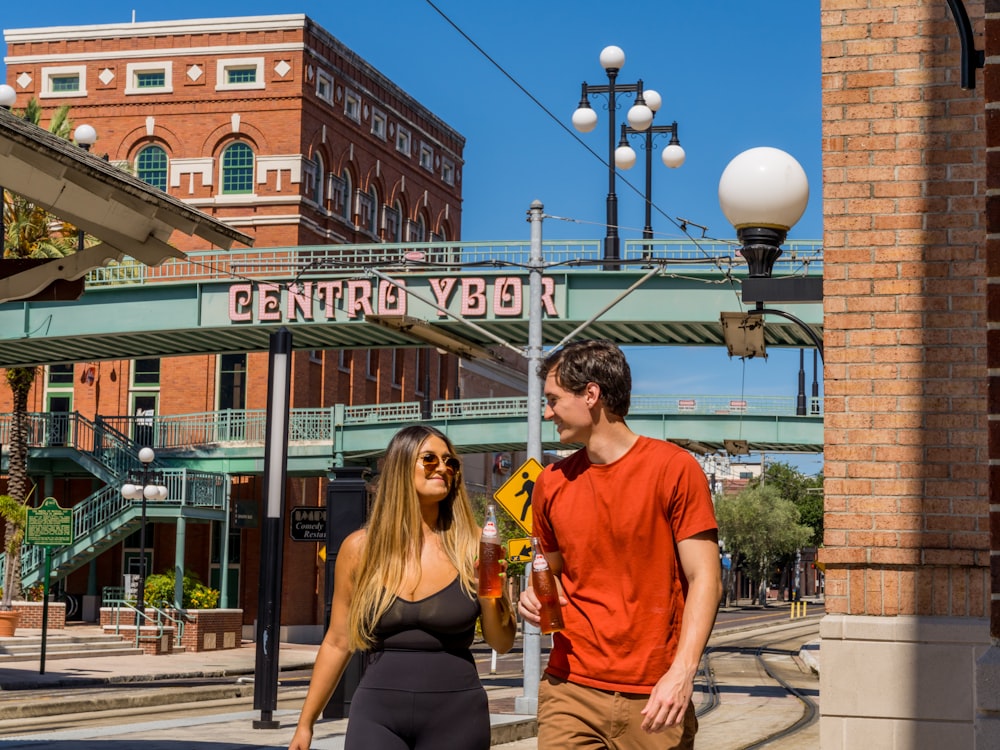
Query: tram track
[(729, 653)]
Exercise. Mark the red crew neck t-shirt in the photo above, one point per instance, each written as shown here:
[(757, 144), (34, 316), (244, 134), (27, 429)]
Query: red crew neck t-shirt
[(616, 526)]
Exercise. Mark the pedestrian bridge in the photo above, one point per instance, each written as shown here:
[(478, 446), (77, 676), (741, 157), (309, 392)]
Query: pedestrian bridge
[(472, 297)]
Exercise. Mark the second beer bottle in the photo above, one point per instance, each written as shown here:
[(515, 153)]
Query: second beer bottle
[(490, 554), (543, 582)]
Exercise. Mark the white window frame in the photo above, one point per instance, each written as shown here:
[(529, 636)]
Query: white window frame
[(380, 124), (224, 65), (426, 157), (324, 83), (352, 105), (132, 71), (63, 70), (404, 143), (448, 171)]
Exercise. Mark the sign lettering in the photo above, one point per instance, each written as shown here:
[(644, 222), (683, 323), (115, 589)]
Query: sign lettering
[(473, 297)]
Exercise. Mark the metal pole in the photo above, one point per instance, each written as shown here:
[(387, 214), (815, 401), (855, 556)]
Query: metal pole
[(800, 401), (265, 697), (532, 648), (647, 230), (815, 387), (224, 546), (611, 237), (140, 604)]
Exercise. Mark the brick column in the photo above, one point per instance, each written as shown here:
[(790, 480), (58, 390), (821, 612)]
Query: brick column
[(907, 543)]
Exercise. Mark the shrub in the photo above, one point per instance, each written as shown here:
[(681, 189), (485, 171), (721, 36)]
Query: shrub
[(159, 591)]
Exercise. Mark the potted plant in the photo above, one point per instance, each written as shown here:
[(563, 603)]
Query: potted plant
[(16, 516)]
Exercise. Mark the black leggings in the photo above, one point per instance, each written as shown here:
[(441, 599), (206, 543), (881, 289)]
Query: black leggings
[(402, 720)]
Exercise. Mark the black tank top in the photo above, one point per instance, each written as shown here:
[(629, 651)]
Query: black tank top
[(424, 645)]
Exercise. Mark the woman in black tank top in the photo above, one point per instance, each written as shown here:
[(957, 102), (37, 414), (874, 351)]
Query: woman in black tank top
[(404, 593)]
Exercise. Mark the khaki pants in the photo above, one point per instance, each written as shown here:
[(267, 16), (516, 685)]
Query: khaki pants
[(579, 717)]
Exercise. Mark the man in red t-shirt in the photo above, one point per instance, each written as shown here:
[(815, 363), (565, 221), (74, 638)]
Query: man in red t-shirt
[(628, 528)]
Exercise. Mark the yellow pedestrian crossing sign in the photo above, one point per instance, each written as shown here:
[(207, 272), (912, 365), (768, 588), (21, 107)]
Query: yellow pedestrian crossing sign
[(518, 550), (514, 495)]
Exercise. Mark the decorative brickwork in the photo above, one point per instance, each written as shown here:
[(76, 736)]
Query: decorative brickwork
[(212, 629)]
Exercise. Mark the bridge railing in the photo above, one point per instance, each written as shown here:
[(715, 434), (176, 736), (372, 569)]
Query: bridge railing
[(278, 262), (321, 425)]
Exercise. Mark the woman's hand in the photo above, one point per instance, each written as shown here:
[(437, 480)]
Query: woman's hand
[(302, 738)]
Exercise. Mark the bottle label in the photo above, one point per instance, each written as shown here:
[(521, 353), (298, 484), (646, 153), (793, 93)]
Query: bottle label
[(490, 529), (539, 563)]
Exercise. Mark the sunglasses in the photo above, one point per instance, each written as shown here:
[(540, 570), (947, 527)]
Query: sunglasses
[(430, 462)]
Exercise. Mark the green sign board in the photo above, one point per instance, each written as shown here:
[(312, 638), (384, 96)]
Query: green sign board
[(49, 525)]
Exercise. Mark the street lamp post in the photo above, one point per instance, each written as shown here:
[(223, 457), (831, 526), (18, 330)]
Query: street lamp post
[(85, 137), (673, 156), (640, 117), (143, 491), (763, 192)]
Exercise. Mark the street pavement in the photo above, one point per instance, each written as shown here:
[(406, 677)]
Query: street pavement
[(123, 698)]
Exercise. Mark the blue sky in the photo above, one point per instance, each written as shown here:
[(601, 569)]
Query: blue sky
[(734, 75)]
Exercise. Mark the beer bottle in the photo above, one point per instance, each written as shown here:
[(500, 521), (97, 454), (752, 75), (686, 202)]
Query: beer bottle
[(490, 554), (543, 582)]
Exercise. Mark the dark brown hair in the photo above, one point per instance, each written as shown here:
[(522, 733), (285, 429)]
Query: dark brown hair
[(592, 361)]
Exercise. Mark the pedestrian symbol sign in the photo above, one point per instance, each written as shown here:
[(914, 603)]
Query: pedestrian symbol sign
[(514, 495), (518, 550)]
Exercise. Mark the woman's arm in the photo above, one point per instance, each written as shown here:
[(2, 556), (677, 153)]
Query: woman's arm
[(334, 652), (497, 617), (499, 625)]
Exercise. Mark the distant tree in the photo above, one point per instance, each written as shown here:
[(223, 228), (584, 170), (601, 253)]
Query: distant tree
[(806, 492), (761, 527)]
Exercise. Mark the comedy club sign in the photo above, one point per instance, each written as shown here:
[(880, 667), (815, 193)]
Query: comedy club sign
[(482, 297)]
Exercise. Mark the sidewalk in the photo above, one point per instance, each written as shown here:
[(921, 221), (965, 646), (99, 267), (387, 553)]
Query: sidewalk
[(131, 687)]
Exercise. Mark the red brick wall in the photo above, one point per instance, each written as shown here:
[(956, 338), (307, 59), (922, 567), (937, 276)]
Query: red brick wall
[(31, 614), (904, 154)]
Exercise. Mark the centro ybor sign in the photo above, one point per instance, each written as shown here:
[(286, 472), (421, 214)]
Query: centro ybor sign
[(303, 301)]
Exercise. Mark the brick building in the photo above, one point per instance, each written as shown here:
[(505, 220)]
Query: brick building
[(909, 644), (273, 126)]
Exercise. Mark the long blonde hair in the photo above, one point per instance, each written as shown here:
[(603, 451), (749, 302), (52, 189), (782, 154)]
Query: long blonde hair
[(394, 534)]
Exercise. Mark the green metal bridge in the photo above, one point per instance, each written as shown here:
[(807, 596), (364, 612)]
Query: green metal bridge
[(667, 294)]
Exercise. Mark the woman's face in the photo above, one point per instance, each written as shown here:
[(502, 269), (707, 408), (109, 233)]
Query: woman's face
[(435, 470)]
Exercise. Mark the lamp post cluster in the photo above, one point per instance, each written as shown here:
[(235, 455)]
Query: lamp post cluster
[(143, 490), (620, 154)]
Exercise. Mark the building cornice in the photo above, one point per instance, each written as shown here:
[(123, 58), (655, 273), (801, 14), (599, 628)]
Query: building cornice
[(156, 28)]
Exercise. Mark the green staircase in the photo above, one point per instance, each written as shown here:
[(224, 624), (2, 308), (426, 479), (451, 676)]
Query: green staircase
[(105, 518)]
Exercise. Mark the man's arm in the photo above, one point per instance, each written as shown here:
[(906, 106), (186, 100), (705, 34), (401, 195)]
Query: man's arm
[(699, 559)]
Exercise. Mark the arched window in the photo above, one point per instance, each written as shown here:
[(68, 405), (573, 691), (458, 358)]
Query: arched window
[(397, 235), (373, 219), (346, 208), (237, 169), (151, 166), (319, 176)]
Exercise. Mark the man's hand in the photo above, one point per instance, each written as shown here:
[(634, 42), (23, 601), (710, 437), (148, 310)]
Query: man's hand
[(669, 700)]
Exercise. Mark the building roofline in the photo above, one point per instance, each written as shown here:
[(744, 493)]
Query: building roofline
[(189, 26)]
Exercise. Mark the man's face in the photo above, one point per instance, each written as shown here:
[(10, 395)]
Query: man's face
[(569, 412)]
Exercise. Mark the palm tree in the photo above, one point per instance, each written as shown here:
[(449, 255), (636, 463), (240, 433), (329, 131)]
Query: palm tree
[(29, 232)]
